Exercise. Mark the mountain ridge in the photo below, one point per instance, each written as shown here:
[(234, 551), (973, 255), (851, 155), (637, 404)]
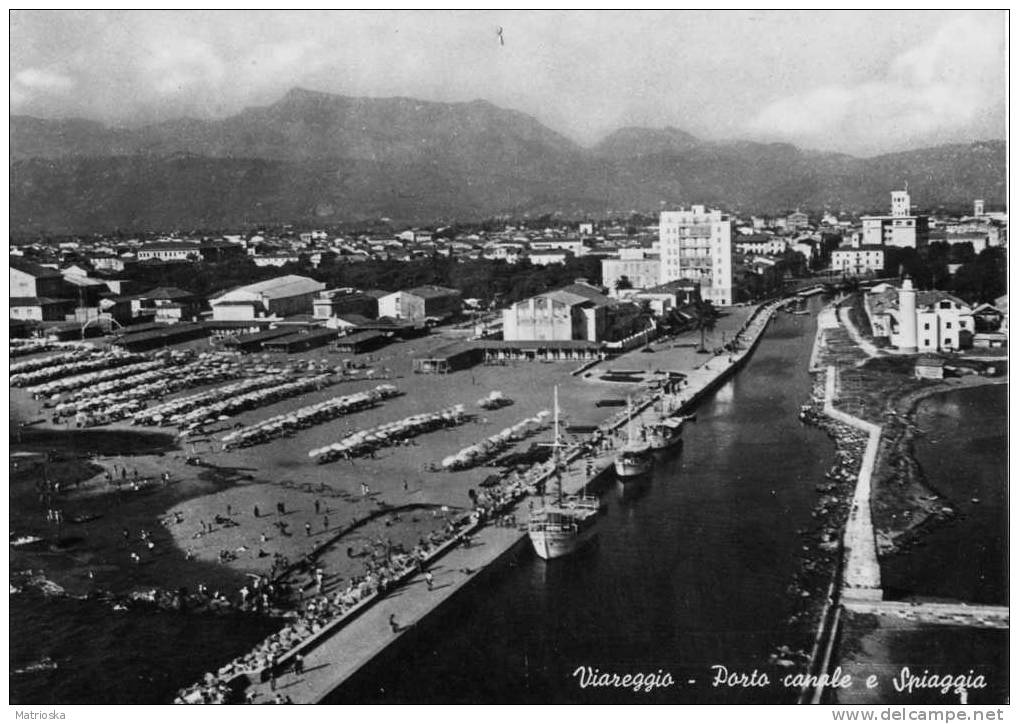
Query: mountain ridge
[(320, 157)]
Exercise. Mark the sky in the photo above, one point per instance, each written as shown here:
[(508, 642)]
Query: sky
[(850, 81)]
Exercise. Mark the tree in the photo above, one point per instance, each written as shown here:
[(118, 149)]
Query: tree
[(705, 316), (624, 282), (984, 279)]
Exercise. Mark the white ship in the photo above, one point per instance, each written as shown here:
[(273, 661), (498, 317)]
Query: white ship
[(563, 526), (635, 458)]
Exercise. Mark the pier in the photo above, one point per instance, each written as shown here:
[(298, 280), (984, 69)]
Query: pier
[(340, 650)]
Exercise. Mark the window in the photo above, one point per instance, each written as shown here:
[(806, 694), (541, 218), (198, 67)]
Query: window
[(926, 326), (948, 325), (948, 342), (926, 343)]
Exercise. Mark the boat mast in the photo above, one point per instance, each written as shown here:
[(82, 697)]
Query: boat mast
[(629, 422), (555, 444)]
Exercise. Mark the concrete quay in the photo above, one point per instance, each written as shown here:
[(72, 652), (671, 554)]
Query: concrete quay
[(340, 650)]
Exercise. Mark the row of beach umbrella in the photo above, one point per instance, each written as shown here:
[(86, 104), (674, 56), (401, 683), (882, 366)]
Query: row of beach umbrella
[(23, 347), (103, 361), (307, 416), (390, 433), (115, 400), (162, 413), (482, 452), (176, 377), (250, 400), (85, 382), (41, 363)]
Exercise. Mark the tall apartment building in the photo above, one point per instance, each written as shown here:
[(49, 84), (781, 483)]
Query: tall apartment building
[(696, 245)]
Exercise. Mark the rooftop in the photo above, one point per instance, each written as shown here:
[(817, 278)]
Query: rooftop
[(33, 269)]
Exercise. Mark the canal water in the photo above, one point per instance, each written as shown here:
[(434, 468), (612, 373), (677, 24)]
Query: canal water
[(689, 572), (963, 452)]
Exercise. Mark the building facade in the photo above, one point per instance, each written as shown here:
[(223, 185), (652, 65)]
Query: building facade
[(858, 261), (29, 279), (902, 228), (642, 271), (557, 315), (279, 297), (915, 321), (171, 251), (696, 245)]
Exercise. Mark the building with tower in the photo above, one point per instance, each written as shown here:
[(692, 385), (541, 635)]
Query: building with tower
[(902, 228), (915, 321)]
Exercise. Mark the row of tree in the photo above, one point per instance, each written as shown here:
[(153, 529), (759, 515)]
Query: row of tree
[(981, 277)]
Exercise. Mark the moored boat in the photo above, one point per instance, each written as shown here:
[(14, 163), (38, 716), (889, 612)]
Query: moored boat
[(635, 458), (666, 433), (564, 525)]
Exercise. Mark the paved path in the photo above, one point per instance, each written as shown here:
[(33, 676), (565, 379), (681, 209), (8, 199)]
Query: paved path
[(343, 653)]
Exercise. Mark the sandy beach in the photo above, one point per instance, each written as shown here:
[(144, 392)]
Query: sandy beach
[(405, 502)]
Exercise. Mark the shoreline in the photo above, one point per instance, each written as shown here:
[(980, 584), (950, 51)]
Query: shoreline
[(929, 507)]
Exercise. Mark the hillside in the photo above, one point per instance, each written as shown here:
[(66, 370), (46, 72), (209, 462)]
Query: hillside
[(320, 158)]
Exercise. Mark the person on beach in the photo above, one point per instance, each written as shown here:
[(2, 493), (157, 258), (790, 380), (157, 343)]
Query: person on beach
[(393, 624), (429, 580), (307, 529), (325, 523), (256, 511), (298, 664), (317, 506)]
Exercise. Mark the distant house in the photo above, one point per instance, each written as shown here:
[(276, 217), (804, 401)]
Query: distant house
[(277, 259), (641, 270), (859, 261), (544, 258), (797, 220), (335, 302), (220, 250), (282, 296), (171, 305), (170, 251), (29, 279), (671, 295), (759, 244), (421, 303), (41, 309)]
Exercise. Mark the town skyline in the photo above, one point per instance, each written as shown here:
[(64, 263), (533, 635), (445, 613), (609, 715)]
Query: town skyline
[(946, 85)]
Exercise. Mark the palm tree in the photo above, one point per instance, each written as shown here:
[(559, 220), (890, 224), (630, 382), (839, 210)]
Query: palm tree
[(704, 318)]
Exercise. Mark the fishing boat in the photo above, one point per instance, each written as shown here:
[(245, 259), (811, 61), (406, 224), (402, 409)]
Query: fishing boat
[(635, 458), (666, 433), (564, 525)]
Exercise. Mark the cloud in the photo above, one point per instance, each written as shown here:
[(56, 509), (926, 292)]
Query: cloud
[(945, 84), (40, 79)]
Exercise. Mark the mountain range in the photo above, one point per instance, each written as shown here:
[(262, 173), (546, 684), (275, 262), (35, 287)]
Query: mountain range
[(319, 158)]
